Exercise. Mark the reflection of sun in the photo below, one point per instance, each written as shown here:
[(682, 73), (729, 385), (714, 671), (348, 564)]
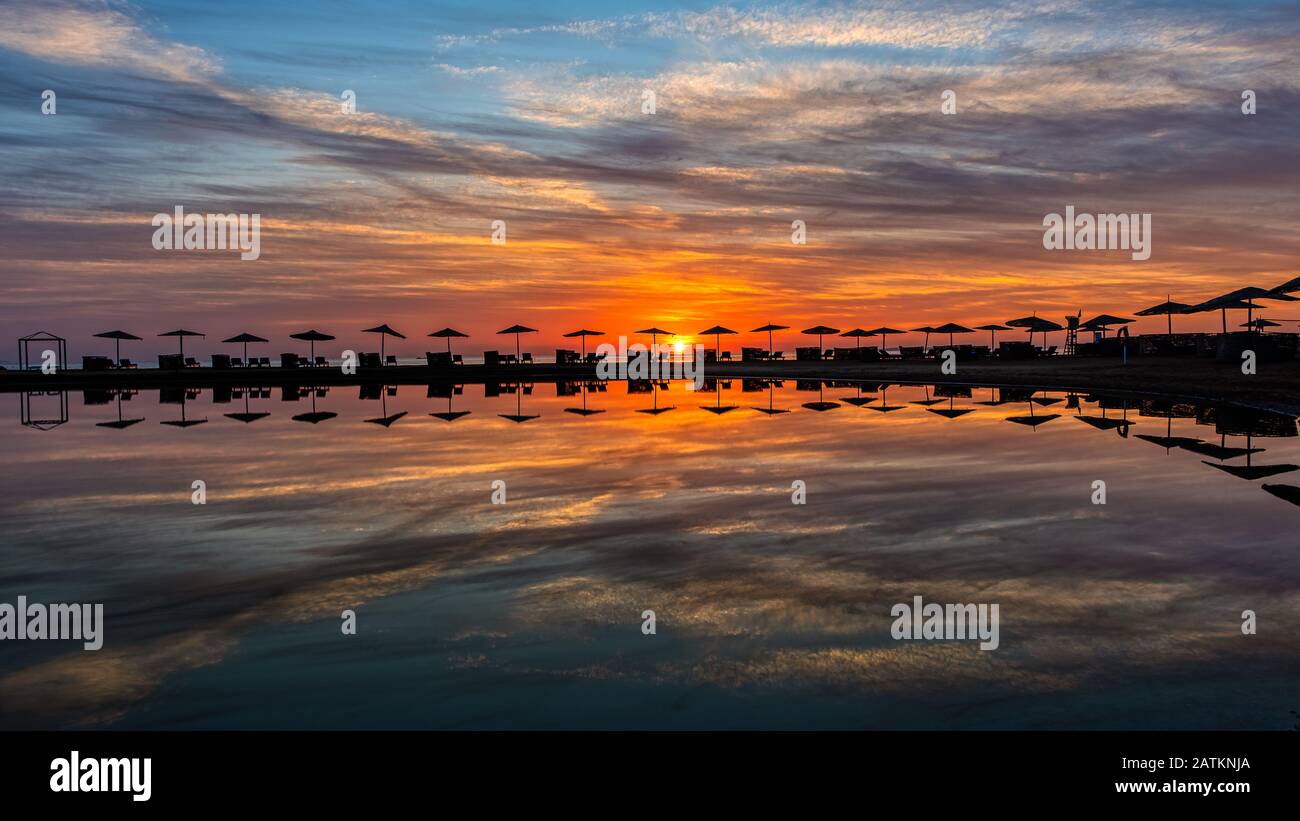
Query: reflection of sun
[(678, 347)]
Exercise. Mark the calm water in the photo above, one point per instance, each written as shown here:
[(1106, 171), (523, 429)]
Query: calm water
[(769, 614)]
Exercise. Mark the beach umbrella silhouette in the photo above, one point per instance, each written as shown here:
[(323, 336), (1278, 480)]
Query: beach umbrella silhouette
[(655, 332), (244, 338), (1288, 286), (119, 423), (857, 334), (447, 334), (1242, 298), (313, 336), (993, 329), (517, 330), (716, 331), (1289, 493), (384, 332), (180, 334), (1261, 323), (1103, 322), (1168, 308), (883, 332), (927, 330), (247, 416), (950, 412), (518, 415), (819, 331), (117, 337), (769, 327), (584, 333), (953, 328), (1035, 324), (821, 404)]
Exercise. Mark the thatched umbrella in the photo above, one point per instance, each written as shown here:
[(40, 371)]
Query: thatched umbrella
[(819, 331), (857, 334), (1103, 322), (717, 331), (1240, 298), (180, 334), (927, 330), (1168, 308), (769, 328), (953, 328), (313, 336), (1034, 324), (655, 332), (384, 332), (993, 332), (517, 330), (245, 338), (117, 337), (447, 334), (584, 333), (883, 332)]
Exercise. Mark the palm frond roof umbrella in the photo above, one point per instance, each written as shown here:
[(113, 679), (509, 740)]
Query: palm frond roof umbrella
[(384, 332), (655, 332), (883, 332), (117, 337), (820, 331), (993, 329), (584, 333), (244, 338), (180, 334), (717, 331), (857, 334), (517, 330), (448, 334), (1288, 286), (951, 328), (1288, 493), (1238, 299), (927, 330), (584, 411), (1103, 322), (313, 336), (769, 328), (247, 416), (315, 417), (1035, 324), (1168, 308), (120, 423), (1261, 323), (821, 404)]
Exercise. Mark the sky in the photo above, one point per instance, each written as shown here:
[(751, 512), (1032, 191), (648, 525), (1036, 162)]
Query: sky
[(617, 219)]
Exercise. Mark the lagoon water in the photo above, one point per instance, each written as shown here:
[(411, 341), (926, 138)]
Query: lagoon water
[(768, 614)]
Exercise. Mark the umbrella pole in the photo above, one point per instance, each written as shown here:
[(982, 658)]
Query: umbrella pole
[(448, 345), (769, 344), (1224, 312), (584, 347)]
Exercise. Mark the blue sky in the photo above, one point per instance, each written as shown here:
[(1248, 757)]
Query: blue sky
[(766, 113)]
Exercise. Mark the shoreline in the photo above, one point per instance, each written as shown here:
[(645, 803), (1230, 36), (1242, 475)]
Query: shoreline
[(1275, 387)]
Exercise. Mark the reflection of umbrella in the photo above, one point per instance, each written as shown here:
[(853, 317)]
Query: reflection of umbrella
[(247, 416), (771, 394), (718, 408), (858, 400), (769, 328), (953, 328), (1220, 451), (819, 331), (1032, 420), (654, 388), (313, 336), (820, 405), (245, 338), (1168, 308), (117, 337), (448, 333), (1103, 422), (993, 332), (950, 412), (120, 423), (315, 417), (584, 410), (384, 332), (517, 330), (1290, 493), (884, 406), (386, 420), (180, 335), (1249, 471), (717, 331), (584, 333), (165, 397), (1168, 441), (448, 415), (518, 415), (883, 332)]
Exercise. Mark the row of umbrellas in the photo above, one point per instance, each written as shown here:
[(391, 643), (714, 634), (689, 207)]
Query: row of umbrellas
[(1240, 299)]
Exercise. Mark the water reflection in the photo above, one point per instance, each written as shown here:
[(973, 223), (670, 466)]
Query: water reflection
[(770, 614)]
